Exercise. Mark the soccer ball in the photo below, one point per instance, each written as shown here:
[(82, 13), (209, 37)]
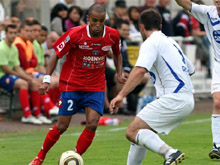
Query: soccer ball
[(70, 158)]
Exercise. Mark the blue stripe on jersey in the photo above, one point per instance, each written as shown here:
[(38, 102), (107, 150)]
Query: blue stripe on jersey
[(213, 23), (181, 84), (181, 53), (153, 77)]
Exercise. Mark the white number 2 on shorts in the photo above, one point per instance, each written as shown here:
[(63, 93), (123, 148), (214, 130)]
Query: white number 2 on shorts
[(70, 107)]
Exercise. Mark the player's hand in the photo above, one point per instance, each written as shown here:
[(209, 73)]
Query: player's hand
[(44, 88), (122, 78), (114, 105)]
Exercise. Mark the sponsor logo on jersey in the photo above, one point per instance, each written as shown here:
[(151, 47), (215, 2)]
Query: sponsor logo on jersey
[(216, 35), (60, 46), (96, 44), (93, 59), (95, 52), (106, 48), (85, 47)]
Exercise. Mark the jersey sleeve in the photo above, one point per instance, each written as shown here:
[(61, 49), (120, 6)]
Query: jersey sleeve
[(190, 66), (22, 56), (147, 55), (200, 12), (63, 44), (117, 45)]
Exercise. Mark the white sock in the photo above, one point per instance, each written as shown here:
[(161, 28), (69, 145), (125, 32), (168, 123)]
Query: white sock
[(216, 129), (136, 154), (170, 151), (151, 141)]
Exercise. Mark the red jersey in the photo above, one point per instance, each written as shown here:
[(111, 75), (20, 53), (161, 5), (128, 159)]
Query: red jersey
[(84, 68)]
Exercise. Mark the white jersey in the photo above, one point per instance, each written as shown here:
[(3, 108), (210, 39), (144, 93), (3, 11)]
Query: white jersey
[(208, 16), (168, 66)]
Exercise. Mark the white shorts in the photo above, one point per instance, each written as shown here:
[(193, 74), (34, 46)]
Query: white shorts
[(215, 78), (167, 112)]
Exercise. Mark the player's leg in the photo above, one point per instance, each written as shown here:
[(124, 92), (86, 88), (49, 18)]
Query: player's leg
[(136, 154), (215, 153), (52, 137), (35, 100), (140, 133), (22, 85), (86, 138), (161, 116), (215, 89), (94, 106), (65, 114), (48, 106), (35, 97)]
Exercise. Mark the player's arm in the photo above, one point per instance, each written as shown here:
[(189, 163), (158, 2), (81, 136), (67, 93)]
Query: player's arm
[(22, 74), (52, 65), (118, 65), (8, 70), (44, 88), (134, 79), (186, 4), (17, 71), (61, 47), (117, 57)]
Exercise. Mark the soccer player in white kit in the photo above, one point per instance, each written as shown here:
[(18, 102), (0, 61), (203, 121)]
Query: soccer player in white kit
[(209, 17), (170, 70)]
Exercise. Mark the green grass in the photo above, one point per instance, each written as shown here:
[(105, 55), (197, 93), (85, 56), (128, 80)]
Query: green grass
[(110, 146)]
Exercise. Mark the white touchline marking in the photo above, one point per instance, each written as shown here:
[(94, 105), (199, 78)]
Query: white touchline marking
[(116, 129), (108, 130), (197, 121)]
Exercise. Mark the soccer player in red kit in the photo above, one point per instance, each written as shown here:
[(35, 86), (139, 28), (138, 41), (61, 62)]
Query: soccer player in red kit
[(82, 79)]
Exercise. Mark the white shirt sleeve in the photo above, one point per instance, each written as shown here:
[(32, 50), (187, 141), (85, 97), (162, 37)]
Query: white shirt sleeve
[(147, 55), (190, 66), (200, 12)]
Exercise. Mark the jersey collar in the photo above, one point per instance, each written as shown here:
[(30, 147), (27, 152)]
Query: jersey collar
[(88, 33)]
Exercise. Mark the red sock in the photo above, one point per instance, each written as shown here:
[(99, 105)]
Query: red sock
[(35, 100), (84, 141), (46, 103), (52, 137), (24, 100)]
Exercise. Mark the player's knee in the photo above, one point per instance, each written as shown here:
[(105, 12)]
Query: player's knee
[(217, 105), (91, 125), (34, 83), (129, 135), (23, 84), (62, 128)]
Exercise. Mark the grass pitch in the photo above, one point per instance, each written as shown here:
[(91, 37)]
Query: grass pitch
[(110, 146)]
